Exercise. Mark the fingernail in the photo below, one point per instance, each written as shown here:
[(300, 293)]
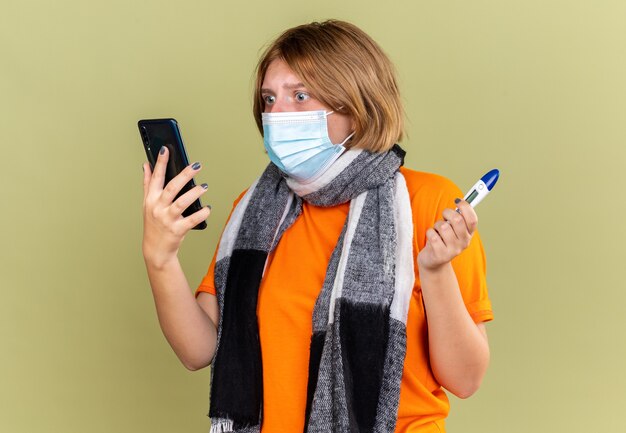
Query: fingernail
[(196, 165), (205, 185), (457, 200), (209, 206), (143, 168), (162, 151)]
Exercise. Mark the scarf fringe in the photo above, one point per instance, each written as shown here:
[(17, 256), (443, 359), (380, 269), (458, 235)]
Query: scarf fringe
[(221, 425)]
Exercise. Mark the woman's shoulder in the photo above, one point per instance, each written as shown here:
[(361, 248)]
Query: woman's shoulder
[(429, 194), (429, 187)]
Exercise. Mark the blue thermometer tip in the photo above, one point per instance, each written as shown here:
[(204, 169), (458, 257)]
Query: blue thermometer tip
[(491, 178)]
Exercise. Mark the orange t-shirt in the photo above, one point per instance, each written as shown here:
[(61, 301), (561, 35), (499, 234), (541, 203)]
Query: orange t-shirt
[(292, 283)]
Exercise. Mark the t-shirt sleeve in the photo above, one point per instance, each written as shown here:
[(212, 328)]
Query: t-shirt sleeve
[(208, 282), (430, 195)]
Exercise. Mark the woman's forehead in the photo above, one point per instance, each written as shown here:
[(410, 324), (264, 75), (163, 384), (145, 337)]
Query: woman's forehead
[(280, 75)]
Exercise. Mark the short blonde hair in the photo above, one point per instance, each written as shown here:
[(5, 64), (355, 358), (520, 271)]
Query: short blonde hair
[(347, 71)]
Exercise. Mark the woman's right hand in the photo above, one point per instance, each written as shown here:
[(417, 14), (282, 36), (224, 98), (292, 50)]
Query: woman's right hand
[(164, 227)]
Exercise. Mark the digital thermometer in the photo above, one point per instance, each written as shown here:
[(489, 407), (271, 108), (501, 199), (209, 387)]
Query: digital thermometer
[(481, 188)]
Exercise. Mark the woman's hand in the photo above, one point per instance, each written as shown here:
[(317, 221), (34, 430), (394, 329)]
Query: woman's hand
[(448, 237), (164, 227)]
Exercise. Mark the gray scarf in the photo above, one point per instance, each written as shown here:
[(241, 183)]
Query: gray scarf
[(359, 319)]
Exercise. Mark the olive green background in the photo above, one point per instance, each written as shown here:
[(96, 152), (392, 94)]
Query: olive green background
[(534, 88)]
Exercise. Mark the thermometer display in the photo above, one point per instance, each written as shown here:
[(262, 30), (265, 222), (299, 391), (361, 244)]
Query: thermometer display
[(472, 195)]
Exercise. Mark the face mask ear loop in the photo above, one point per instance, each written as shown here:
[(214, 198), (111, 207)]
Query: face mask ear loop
[(332, 111), (346, 139), (349, 136)]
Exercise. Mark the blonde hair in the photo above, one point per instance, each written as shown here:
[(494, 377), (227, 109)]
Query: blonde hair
[(347, 71)]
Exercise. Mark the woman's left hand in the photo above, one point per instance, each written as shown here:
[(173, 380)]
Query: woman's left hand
[(448, 237)]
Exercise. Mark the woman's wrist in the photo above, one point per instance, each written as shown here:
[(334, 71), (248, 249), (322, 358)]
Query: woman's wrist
[(439, 282), (160, 263), (434, 272)]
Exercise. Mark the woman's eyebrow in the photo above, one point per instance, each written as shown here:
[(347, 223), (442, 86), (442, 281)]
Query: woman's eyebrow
[(294, 86), (288, 86)]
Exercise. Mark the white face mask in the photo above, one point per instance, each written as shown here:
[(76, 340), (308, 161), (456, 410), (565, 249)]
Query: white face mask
[(298, 143)]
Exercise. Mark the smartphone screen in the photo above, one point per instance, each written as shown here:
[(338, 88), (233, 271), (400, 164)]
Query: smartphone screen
[(156, 133)]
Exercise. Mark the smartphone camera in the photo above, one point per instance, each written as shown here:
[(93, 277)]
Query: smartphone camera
[(144, 136)]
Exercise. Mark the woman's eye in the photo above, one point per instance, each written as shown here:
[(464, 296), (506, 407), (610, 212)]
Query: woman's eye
[(269, 99), (301, 96)]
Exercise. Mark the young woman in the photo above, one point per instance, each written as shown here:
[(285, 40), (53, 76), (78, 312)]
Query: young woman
[(346, 291)]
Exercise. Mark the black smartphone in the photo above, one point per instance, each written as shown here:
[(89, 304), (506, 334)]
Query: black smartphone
[(156, 133)]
